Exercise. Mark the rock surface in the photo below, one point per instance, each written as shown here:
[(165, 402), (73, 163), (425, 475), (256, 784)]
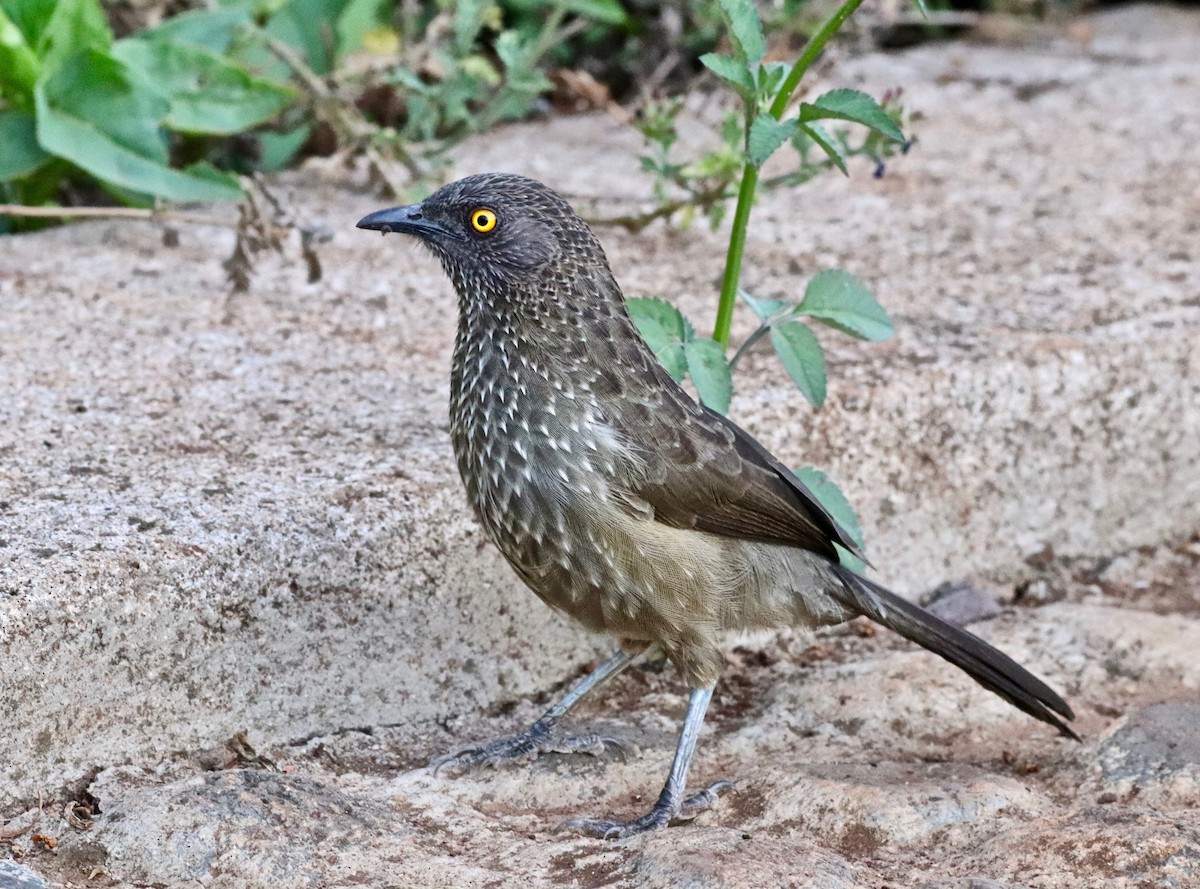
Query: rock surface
[(18, 876), (240, 513)]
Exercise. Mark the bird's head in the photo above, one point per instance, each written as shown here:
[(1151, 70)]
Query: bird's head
[(495, 231)]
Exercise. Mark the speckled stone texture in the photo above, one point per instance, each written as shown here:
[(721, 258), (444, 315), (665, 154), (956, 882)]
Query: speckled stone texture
[(223, 513)]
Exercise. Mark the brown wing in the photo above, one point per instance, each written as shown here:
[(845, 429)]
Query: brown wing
[(703, 471), (700, 470)]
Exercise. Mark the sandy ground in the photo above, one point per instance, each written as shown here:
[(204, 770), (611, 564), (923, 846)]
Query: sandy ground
[(223, 513)]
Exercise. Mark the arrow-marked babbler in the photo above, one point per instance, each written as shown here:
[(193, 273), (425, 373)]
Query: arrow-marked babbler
[(616, 497)]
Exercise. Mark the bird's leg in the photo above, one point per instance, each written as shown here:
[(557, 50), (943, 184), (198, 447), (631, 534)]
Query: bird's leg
[(671, 803), (542, 736)]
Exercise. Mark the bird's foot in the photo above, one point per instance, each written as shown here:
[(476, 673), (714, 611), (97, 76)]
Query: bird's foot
[(663, 813), (541, 737)]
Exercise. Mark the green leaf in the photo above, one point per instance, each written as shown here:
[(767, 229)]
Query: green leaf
[(207, 94), (278, 149), (770, 77), (745, 29), (802, 357), (766, 135), (467, 22), (767, 310), (357, 19), (96, 113), (211, 29), (854, 106), (19, 65), (20, 153), (664, 329), (74, 26), (308, 25), (30, 17), (608, 12), (732, 71), (845, 303), (826, 143), (516, 53), (710, 372), (831, 497)]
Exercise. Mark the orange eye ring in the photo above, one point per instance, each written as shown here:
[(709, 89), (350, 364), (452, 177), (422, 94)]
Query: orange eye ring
[(483, 220)]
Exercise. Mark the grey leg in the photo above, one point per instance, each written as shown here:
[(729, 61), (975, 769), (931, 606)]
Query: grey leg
[(671, 802), (541, 736)]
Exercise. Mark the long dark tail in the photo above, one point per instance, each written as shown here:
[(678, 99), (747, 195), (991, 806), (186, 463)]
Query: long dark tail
[(991, 668)]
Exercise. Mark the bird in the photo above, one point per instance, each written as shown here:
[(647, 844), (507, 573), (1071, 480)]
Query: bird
[(619, 499)]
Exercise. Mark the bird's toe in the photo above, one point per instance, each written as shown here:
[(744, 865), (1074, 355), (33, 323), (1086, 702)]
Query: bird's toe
[(525, 747), (700, 802)]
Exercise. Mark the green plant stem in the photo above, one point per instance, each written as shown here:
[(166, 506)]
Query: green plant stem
[(741, 216), (763, 330), (811, 50), (733, 259)]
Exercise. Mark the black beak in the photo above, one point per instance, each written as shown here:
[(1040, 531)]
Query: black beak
[(406, 220)]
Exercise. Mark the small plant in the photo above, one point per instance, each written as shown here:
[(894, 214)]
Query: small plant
[(708, 183), (154, 116), (76, 103), (833, 297), (475, 64)]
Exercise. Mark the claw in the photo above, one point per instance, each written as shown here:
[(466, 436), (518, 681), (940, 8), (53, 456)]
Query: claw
[(698, 802), (603, 829), (617, 744), (657, 818), (525, 747)]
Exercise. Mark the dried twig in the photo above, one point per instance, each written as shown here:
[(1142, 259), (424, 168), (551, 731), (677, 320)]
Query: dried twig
[(635, 222), (115, 213)]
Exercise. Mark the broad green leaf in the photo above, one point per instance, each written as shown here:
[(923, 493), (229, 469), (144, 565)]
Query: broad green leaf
[(710, 372), (260, 10), (307, 25), (766, 135), (802, 357), (114, 100), (831, 497), (19, 65), (745, 29), (278, 149), (766, 309), (207, 93), (826, 143), (30, 17), (731, 71), (211, 29), (20, 153), (845, 303), (100, 116), (664, 329), (854, 106), (608, 12), (74, 26)]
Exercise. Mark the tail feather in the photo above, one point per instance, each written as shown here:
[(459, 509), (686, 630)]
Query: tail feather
[(988, 666)]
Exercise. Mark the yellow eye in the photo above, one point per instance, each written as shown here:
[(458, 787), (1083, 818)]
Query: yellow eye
[(483, 220)]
